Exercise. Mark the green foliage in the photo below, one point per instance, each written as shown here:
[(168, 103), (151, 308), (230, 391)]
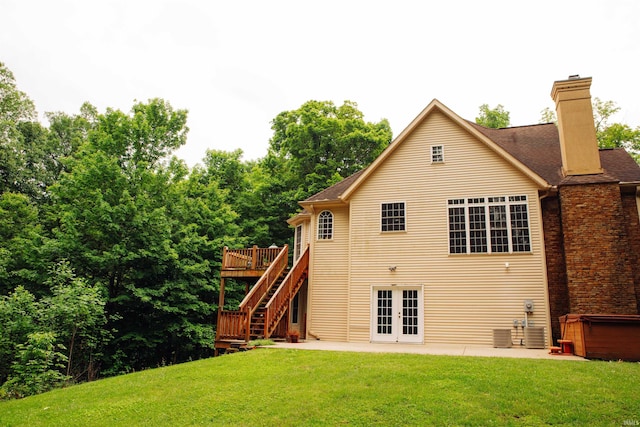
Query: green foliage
[(21, 239), (66, 135), (493, 118), (37, 336), (614, 135), (76, 312), (312, 148), (319, 140), (142, 139), (547, 115), (37, 366), (618, 135), (19, 314), (15, 105), (146, 233), (18, 137)]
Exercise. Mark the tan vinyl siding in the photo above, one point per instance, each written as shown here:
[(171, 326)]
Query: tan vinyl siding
[(465, 296), (328, 297)]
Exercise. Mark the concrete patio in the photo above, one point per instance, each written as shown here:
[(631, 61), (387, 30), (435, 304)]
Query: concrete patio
[(434, 349)]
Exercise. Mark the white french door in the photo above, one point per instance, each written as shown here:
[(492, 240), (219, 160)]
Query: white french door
[(396, 314)]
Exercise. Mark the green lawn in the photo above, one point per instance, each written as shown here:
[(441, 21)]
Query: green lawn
[(295, 387)]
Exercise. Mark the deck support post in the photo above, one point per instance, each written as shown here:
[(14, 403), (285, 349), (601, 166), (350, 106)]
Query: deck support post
[(247, 331), (221, 296)]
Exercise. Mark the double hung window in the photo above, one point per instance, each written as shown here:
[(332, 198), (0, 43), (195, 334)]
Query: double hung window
[(393, 217)]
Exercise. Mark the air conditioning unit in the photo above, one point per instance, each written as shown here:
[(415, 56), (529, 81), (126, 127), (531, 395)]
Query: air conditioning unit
[(502, 338), (534, 337)]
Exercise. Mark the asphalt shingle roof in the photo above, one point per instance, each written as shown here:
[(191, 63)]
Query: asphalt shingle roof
[(538, 148)]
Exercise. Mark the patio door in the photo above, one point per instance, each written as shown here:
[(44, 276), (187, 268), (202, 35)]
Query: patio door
[(397, 314)]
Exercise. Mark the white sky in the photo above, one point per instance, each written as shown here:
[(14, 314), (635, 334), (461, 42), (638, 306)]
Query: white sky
[(234, 65)]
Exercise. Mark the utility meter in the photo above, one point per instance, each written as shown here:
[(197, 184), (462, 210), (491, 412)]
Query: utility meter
[(528, 306)]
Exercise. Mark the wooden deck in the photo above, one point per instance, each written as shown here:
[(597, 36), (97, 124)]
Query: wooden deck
[(248, 262)]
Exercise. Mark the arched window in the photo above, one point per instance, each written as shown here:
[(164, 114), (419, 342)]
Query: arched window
[(325, 225)]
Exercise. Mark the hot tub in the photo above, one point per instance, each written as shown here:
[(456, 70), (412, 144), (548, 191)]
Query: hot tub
[(603, 336)]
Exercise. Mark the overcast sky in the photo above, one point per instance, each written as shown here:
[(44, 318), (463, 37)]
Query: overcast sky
[(234, 65)]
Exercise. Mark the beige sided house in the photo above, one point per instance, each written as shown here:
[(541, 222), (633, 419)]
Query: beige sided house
[(456, 230)]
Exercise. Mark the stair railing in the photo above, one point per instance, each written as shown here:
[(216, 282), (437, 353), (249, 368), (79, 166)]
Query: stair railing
[(252, 300), (279, 302)]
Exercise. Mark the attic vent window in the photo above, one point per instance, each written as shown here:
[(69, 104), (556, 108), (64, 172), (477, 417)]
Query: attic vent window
[(437, 154)]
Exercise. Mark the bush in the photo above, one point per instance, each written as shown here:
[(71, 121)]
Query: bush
[(36, 368)]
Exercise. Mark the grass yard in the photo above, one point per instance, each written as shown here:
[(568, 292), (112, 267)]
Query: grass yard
[(295, 387)]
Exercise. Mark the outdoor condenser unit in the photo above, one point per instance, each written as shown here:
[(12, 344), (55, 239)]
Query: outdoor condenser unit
[(502, 338), (534, 337)]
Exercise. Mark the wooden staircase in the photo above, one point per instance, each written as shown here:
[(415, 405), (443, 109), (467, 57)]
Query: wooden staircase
[(264, 307), (257, 323)]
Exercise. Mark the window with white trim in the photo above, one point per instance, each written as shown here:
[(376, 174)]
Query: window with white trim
[(297, 249), (437, 154), (393, 216), (489, 225), (325, 225)]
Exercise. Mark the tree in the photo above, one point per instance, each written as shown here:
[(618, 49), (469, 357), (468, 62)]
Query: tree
[(547, 115), (16, 109), (66, 134), (152, 131), (30, 154), (21, 242), (19, 314), (322, 143), (76, 314), (37, 366), (493, 118), (313, 147), (130, 220), (15, 105), (228, 170), (618, 135), (614, 135)]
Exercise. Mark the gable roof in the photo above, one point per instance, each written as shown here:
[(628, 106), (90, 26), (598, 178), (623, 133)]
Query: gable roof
[(533, 149)]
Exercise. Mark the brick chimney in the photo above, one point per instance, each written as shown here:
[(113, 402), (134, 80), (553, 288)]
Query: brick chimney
[(578, 142), (595, 233)]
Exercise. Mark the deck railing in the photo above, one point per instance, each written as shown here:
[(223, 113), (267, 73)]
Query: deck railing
[(275, 269), (254, 258), (279, 303), (233, 325)]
